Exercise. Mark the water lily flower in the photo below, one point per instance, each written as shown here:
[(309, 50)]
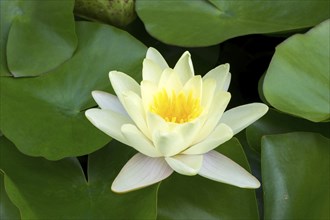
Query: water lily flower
[(174, 119)]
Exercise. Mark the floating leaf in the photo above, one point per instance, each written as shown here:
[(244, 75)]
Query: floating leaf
[(44, 189), (182, 197), (7, 209), (297, 80), (44, 116), (203, 23), (275, 122), (295, 175), (36, 36)]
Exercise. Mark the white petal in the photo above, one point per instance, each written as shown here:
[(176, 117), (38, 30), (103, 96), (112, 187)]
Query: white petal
[(122, 83), (151, 71), (220, 135), (184, 67), (177, 139), (138, 141), (108, 101), (140, 171), (148, 90), (185, 164), (222, 169), (242, 116), (155, 56), (135, 110), (194, 84), (170, 81), (109, 122), (208, 89), (222, 75), (219, 104), (168, 143)]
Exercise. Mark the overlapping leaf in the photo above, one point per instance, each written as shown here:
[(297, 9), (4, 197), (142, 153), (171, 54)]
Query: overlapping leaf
[(182, 197), (36, 36), (44, 189), (297, 80), (295, 174), (44, 116), (202, 23)]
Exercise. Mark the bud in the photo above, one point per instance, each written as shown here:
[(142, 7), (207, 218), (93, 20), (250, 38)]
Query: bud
[(116, 12)]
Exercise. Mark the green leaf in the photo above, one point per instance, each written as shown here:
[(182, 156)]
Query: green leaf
[(275, 122), (8, 210), (183, 197), (203, 23), (41, 36), (44, 116), (44, 189), (295, 175), (297, 80)]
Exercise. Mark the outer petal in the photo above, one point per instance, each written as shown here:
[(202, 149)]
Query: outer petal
[(140, 171), (134, 108), (155, 56), (222, 169), (122, 83), (242, 116), (184, 67), (138, 141), (151, 71), (222, 75), (220, 135), (208, 91), (109, 122), (185, 164), (108, 101)]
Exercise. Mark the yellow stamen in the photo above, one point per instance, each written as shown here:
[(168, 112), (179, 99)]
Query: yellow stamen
[(176, 108)]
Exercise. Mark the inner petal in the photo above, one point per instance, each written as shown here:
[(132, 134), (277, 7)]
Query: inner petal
[(176, 107)]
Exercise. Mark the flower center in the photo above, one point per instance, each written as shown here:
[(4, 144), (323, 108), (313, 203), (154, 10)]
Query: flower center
[(177, 108)]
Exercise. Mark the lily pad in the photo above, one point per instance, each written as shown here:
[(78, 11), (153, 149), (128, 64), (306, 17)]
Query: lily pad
[(44, 116), (7, 209), (36, 36), (33, 181), (295, 175), (204, 23), (275, 122), (297, 80), (182, 197)]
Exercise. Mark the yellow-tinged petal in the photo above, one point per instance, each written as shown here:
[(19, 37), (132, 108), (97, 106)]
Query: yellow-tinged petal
[(170, 81), (184, 67), (141, 171), (220, 135), (151, 71), (148, 91), (109, 122), (185, 164), (136, 139), (208, 91), (219, 104), (194, 86), (220, 168), (154, 55), (242, 116), (222, 76)]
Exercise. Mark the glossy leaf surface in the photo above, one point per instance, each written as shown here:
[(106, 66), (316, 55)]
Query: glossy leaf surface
[(35, 180), (203, 23), (36, 36), (295, 174), (297, 79), (44, 116)]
